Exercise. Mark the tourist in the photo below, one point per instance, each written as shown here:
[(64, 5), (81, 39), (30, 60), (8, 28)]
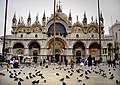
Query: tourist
[(66, 62), (72, 63), (89, 61), (82, 62)]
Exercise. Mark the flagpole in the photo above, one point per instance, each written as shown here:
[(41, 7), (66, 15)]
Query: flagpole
[(99, 29), (3, 49), (54, 31)]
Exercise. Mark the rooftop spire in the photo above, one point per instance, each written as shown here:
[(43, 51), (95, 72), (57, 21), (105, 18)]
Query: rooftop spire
[(44, 15), (84, 19), (29, 20), (19, 21), (101, 16), (96, 21), (84, 14), (77, 17), (29, 15), (59, 7), (70, 17), (37, 18), (44, 19), (14, 20), (92, 18), (14, 17)]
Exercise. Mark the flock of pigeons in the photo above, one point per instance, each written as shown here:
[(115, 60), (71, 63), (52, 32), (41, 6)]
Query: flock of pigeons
[(82, 73)]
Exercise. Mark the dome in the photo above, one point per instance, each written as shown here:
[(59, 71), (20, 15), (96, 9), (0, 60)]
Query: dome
[(77, 27), (77, 24)]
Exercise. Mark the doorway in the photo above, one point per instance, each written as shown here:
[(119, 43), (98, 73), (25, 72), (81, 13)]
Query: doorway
[(57, 57)]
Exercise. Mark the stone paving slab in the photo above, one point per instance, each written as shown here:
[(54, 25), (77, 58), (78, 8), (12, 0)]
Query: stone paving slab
[(52, 79)]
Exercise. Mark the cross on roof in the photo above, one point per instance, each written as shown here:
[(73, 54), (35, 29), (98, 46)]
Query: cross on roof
[(59, 3)]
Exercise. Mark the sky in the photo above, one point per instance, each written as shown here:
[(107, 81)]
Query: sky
[(109, 8)]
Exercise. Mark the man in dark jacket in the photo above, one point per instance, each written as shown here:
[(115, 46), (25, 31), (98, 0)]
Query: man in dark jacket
[(89, 61)]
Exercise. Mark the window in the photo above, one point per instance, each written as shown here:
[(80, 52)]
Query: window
[(21, 35), (116, 35), (92, 35), (36, 35), (77, 35)]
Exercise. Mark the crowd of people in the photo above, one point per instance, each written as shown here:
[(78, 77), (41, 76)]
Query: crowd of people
[(15, 61)]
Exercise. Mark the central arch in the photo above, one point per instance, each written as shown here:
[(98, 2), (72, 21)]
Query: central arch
[(79, 51), (60, 46)]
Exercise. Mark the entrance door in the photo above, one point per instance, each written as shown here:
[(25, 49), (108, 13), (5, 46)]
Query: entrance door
[(35, 53), (57, 57), (78, 54)]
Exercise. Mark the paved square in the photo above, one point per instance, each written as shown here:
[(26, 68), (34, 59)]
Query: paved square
[(53, 74)]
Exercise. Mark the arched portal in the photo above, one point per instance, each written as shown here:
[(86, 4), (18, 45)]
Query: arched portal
[(59, 50), (18, 48), (79, 51), (94, 49), (34, 49)]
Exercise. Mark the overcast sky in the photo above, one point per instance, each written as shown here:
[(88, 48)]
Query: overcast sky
[(110, 10)]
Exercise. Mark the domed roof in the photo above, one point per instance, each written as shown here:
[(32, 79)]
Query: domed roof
[(77, 27), (77, 24)]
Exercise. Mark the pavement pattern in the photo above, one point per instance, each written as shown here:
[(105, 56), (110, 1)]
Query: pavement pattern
[(60, 75)]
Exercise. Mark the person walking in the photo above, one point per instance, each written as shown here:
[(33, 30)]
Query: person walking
[(66, 62), (89, 61), (72, 63)]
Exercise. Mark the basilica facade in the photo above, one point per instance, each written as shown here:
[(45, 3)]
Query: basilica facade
[(72, 40)]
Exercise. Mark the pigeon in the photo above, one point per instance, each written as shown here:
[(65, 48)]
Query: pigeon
[(14, 70), (67, 77), (78, 71), (117, 82), (111, 77), (87, 77), (71, 74), (113, 69), (2, 74), (33, 75), (86, 72), (63, 83), (57, 74), (68, 71), (33, 82), (16, 79), (42, 77), (11, 76), (89, 71), (72, 70), (40, 74), (83, 83), (27, 77), (21, 79), (30, 77), (79, 80), (62, 79), (112, 74), (19, 73), (19, 83), (81, 75), (44, 81), (109, 72), (37, 81), (30, 73), (7, 70)]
